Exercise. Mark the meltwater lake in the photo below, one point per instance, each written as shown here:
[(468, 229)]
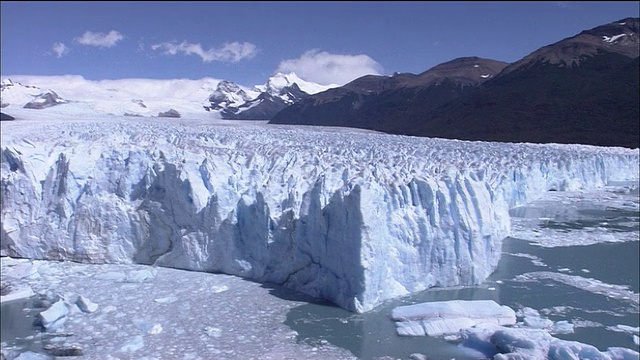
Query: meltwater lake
[(572, 256)]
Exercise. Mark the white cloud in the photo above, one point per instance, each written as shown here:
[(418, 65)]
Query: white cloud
[(232, 52), (60, 49), (100, 39), (327, 69)]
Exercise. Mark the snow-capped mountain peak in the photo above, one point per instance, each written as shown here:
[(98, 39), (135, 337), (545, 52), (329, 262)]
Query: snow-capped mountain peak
[(6, 82), (280, 91), (227, 94), (203, 98), (279, 81)]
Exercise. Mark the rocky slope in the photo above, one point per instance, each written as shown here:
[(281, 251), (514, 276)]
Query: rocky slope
[(582, 89)]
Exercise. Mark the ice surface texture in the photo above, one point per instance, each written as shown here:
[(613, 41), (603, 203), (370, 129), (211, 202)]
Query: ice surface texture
[(449, 317), (350, 216)]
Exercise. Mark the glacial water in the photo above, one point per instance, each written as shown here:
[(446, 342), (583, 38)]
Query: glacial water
[(593, 286), (595, 312)]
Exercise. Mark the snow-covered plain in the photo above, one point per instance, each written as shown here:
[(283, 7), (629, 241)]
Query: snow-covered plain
[(350, 216)]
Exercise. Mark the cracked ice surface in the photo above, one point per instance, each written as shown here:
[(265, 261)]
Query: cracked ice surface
[(350, 216), (243, 321)]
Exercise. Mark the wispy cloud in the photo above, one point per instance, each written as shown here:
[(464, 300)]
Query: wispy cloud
[(326, 69), (231, 52), (60, 49), (562, 4), (100, 39)]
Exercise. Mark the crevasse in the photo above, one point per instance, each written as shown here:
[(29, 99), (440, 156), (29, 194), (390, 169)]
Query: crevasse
[(349, 216)]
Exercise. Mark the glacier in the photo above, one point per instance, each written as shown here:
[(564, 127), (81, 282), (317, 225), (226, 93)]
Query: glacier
[(351, 216)]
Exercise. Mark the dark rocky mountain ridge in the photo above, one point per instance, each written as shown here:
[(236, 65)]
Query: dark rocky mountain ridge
[(582, 89), (368, 101)]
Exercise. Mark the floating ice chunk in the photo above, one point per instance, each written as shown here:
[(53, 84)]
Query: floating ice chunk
[(624, 328), (113, 276), (147, 327), (55, 316), (449, 317), (86, 305), (531, 318), (418, 356), (219, 288), (166, 300), (619, 292), (17, 292), (633, 331), (30, 355), (139, 276), (134, 344), (155, 329), (502, 343), (60, 350), (410, 328), (109, 308), (619, 353), (562, 327), (21, 269), (213, 331)]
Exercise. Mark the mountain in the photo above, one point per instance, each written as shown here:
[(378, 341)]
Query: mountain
[(582, 89), (372, 101), (280, 91), (205, 98), (75, 96)]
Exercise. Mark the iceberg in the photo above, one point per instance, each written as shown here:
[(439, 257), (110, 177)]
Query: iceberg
[(502, 343), (54, 316), (351, 216), (449, 317)]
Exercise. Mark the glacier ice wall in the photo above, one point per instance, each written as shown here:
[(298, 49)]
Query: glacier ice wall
[(349, 216)]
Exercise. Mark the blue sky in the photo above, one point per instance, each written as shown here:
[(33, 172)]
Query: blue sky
[(246, 42)]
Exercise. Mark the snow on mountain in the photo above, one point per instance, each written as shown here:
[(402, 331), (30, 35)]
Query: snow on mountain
[(228, 94), (618, 37), (264, 101), (279, 81), (15, 93), (203, 98), (45, 100), (611, 39), (350, 216), (139, 97)]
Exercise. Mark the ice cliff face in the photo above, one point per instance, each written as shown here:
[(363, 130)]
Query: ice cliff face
[(353, 217)]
